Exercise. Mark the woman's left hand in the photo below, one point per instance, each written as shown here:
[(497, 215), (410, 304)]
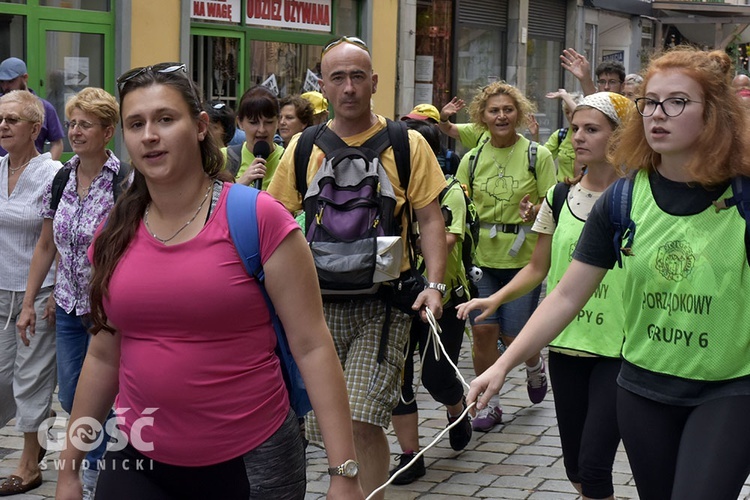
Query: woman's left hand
[(256, 170), (526, 209)]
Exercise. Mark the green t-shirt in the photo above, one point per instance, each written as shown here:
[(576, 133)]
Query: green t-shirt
[(563, 152), (247, 159), (501, 179), (470, 134), (455, 275)]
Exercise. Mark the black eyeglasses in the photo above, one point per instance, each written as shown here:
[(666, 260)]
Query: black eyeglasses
[(13, 120), (611, 83), (83, 125), (164, 68), (672, 106), (345, 39)]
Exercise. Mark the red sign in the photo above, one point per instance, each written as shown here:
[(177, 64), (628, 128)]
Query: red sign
[(216, 10), (313, 15)]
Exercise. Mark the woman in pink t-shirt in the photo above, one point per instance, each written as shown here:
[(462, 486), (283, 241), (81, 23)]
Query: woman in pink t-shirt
[(188, 346)]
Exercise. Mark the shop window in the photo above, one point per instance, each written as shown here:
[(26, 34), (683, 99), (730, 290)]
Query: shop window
[(286, 68), (478, 63), (98, 5), (543, 75), (215, 67), (74, 61), (12, 36), (433, 52)]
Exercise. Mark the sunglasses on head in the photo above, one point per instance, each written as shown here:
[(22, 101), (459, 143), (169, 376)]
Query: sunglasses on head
[(345, 39), (163, 68)]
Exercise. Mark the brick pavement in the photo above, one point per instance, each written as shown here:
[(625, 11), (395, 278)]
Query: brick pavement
[(519, 459)]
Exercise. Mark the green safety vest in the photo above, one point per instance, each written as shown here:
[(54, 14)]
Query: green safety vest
[(686, 291), (598, 328)]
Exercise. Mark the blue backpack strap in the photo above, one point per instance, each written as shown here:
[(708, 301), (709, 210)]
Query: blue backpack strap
[(243, 226), (561, 134), (741, 198), (619, 213)]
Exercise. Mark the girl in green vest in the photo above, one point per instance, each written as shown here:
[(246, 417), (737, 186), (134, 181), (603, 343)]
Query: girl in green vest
[(684, 386), (583, 360)]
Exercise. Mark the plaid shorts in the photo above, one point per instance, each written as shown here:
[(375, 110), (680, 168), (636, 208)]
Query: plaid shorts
[(356, 327)]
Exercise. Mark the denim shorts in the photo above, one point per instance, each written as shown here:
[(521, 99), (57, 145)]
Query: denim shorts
[(512, 316)]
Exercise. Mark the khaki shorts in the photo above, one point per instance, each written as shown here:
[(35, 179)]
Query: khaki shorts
[(356, 327)]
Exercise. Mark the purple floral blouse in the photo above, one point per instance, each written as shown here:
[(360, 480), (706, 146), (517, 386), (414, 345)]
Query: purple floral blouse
[(73, 225)]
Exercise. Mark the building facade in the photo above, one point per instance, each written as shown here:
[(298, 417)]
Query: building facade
[(228, 45)]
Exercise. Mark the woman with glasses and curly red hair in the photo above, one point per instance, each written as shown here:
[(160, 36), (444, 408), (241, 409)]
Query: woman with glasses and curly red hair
[(684, 384), (183, 342)]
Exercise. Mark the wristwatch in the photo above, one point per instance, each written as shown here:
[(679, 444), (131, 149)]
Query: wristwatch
[(350, 468), (440, 287)]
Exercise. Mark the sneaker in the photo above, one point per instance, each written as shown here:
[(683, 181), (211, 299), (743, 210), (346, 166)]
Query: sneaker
[(536, 385), (487, 418), (411, 474), (460, 435)]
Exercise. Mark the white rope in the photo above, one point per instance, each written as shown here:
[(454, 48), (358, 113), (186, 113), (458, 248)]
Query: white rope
[(434, 330)]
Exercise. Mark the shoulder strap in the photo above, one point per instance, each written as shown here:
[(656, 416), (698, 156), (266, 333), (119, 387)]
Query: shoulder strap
[(118, 184), (559, 195), (234, 158), (473, 160), (302, 153), (741, 196), (58, 186), (533, 146), (398, 134), (243, 227), (561, 135), (619, 214)]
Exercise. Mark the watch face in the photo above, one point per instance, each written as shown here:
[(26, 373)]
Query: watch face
[(351, 468)]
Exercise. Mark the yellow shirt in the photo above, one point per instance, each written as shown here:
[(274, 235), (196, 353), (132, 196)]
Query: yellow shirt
[(425, 182)]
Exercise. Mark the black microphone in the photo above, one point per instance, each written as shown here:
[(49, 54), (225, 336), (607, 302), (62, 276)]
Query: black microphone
[(260, 150)]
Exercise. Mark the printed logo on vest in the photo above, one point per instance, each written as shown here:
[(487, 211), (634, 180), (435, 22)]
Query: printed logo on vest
[(500, 188), (675, 260)]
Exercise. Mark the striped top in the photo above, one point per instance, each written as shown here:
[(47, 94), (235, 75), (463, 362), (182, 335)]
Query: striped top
[(20, 222)]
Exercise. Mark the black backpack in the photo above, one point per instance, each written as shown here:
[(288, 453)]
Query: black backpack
[(62, 176), (471, 232), (349, 204)]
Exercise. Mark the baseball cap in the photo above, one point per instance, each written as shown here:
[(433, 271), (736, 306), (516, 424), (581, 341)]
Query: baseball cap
[(319, 103), (423, 112), (12, 68)]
